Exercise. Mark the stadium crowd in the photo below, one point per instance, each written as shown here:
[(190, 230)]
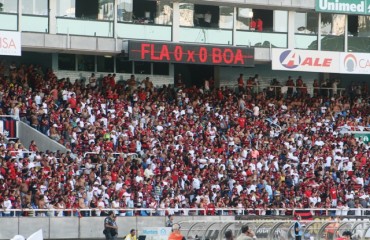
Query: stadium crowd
[(206, 148)]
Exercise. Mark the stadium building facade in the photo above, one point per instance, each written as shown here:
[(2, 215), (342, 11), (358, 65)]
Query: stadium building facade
[(197, 39)]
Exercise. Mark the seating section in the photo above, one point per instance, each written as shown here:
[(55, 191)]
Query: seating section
[(134, 145)]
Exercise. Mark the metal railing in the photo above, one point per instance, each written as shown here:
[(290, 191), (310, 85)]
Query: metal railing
[(115, 154), (258, 87), (189, 211)]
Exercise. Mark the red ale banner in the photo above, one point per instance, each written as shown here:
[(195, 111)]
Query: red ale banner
[(189, 53)]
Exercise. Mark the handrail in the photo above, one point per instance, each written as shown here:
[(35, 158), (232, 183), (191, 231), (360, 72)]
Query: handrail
[(205, 211), (114, 154), (266, 85)]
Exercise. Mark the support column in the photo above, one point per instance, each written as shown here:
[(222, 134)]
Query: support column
[(319, 33), (175, 22), (291, 30), (52, 16), (19, 26), (54, 61), (234, 26), (346, 34), (115, 15)]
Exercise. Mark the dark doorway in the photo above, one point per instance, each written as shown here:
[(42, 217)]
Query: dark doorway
[(193, 74), (87, 9)]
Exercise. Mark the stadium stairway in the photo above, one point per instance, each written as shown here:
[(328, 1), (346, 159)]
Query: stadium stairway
[(26, 134)]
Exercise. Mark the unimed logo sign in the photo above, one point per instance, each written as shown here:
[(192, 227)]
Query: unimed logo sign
[(10, 43), (360, 7)]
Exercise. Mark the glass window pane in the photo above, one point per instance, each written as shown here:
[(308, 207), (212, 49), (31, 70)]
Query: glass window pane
[(186, 14), (226, 17), (142, 68), (66, 8), (164, 13), (106, 10), (86, 63), (105, 64), (123, 65), (244, 17), (161, 68), (9, 6), (332, 31), (124, 10), (35, 7), (66, 61), (306, 23), (358, 32), (332, 24)]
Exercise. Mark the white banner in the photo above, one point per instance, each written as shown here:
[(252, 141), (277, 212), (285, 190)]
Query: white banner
[(355, 63), (10, 43), (305, 60)]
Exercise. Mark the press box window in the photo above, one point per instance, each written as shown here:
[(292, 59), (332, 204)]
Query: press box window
[(142, 68), (66, 61), (123, 65), (161, 68), (86, 63), (105, 64)]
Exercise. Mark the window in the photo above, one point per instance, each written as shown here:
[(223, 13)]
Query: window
[(206, 15), (161, 68), (332, 24), (164, 13), (226, 17), (66, 8), (264, 20), (87, 9), (9, 6), (123, 65), (86, 63), (106, 9), (105, 64), (144, 11), (35, 7), (358, 32), (142, 68), (306, 23), (124, 10), (186, 14), (332, 29), (244, 16), (66, 61)]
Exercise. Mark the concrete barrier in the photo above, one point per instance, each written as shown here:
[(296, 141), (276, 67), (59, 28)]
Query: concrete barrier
[(86, 227)]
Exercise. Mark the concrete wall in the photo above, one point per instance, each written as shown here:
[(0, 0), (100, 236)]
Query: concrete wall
[(86, 227), (26, 134)]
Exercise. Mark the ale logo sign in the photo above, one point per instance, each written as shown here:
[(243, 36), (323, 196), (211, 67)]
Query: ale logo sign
[(356, 7)]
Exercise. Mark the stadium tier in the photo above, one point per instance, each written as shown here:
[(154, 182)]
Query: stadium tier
[(177, 148), (214, 113)]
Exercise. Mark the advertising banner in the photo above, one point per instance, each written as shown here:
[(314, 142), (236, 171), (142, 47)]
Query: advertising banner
[(305, 60), (10, 43), (156, 233), (355, 63), (191, 53), (354, 7)]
